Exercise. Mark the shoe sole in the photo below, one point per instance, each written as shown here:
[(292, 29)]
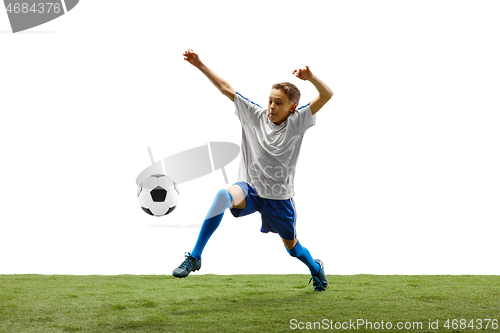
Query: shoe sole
[(181, 277)]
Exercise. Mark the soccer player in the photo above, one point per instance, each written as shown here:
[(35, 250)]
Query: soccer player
[(270, 148)]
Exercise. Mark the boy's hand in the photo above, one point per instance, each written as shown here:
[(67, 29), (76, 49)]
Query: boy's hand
[(192, 58), (221, 84), (325, 93), (303, 74)]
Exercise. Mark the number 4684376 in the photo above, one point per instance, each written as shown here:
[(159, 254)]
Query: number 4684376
[(472, 324), (36, 8)]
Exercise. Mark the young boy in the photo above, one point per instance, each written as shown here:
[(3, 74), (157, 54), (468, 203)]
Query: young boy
[(270, 148)]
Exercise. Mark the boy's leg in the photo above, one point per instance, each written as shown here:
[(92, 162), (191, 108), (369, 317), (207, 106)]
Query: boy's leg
[(231, 197), (295, 249), (223, 200)]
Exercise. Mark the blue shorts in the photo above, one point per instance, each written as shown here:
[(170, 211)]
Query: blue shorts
[(278, 216)]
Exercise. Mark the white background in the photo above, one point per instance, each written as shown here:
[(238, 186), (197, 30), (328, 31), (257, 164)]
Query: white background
[(399, 176)]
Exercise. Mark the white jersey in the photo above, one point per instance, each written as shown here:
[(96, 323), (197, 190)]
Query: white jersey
[(270, 152)]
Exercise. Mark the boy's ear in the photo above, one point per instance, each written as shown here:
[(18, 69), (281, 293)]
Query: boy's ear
[(294, 106)]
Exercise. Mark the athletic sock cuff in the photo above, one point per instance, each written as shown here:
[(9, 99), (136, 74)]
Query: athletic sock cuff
[(296, 251)]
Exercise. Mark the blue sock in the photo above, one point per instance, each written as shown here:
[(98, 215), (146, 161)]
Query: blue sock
[(303, 255), (222, 201)]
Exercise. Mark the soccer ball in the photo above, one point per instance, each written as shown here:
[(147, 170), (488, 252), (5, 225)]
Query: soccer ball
[(158, 195)]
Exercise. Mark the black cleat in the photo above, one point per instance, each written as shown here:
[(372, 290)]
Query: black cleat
[(319, 280), (189, 265)]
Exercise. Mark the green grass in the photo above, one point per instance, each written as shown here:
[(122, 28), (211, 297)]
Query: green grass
[(241, 303)]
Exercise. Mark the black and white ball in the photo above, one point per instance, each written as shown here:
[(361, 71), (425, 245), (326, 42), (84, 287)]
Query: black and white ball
[(158, 195)]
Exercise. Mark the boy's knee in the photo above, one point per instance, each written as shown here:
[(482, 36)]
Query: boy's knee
[(222, 201), (224, 195)]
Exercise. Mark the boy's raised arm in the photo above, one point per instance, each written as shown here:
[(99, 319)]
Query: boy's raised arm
[(221, 84), (325, 93)]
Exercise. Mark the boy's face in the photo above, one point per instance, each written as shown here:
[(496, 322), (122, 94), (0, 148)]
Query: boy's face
[(279, 107)]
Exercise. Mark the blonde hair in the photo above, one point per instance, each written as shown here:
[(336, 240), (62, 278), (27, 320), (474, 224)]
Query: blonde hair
[(290, 90)]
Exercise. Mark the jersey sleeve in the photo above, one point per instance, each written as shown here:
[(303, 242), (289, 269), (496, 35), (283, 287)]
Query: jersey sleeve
[(246, 110), (303, 118)]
